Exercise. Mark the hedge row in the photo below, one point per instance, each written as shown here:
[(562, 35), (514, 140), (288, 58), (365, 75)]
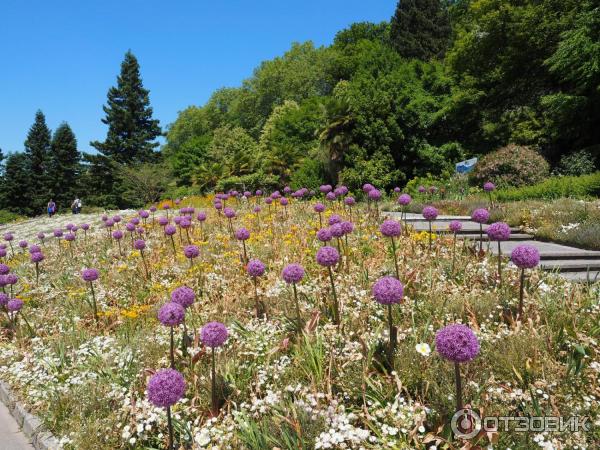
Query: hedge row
[(584, 186)]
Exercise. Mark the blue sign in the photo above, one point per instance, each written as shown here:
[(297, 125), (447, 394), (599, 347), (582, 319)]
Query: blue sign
[(466, 166)]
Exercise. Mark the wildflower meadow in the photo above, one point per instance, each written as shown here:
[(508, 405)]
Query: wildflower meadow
[(291, 320)]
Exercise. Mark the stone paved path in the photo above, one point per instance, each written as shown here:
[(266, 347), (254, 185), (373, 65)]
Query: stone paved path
[(11, 438), (571, 263)]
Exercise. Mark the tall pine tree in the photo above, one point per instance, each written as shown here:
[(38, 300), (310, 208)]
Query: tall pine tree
[(131, 129), (64, 167), (37, 152), (420, 29), (16, 196)]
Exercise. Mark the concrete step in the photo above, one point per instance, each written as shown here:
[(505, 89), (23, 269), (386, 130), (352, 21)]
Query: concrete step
[(580, 265), (574, 255), (513, 237), (582, 277)]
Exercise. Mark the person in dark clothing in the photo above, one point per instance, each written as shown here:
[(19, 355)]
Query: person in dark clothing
[(51, 208)]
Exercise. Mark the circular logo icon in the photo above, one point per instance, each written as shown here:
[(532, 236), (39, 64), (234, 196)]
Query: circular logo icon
[(465, 423)]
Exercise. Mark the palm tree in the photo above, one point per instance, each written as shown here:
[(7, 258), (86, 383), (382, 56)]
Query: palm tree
[(336, 135)]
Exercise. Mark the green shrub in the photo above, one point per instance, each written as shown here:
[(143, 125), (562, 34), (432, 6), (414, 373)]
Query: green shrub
[(584, 186), (513, 165), (577, 163), (252, 181), (8, 216), (311, 174)]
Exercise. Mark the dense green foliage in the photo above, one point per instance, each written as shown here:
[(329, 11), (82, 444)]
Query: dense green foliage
[(554, 188), (386, 102)]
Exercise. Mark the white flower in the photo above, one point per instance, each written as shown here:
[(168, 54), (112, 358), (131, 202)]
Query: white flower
[(423, 349)]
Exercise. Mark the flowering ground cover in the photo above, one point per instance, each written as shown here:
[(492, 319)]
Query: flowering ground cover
[(280, 322)]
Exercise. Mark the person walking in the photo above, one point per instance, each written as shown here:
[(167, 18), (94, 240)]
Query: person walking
[(76, 206), (51, 208)]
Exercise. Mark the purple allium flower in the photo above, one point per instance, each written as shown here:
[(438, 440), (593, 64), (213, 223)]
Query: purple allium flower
[(242, 234), (70, 237), (325, 188), (347, 227), (525, 256), (4, 269), (3, 281), (139, 244), (170, 230), (109, 223), (153, 209), (116, 219), (3, 299), (191, 251), (162, 221), (90, 275), (144, 214), (218, 205), (140, 230), (8, 237), (166, 206), (334, 218), (498, 231), (432, 189), (11, 278), (165, 388), (324, 235), (183, 296), (117, 234), (14, 305), (23, 244), (85, 226), (129, 226), (319, 207), (69, 226), (284, 201), (2, 252), (343, 190), (256, 209), (388, 290), (489, 186), (349, 201), (104, 217), (268, 200), (247, 194), (404, 199), (367, 188), (390, 228), (258, 193), (229, 213), (171, 314), (327, 256), (455, 226), (214, 334), (255, 268), (457, 343), (397, 190), (41, 236), (338, 192), (57, 233), (330, 196), (177, 220), (75, 228), (336, 230), (422, 189), (292, 273), (37, 257), (177, 201), (480, 215), (201, 216), (430, 213), (374, 194), (185, 223), (287, 190)]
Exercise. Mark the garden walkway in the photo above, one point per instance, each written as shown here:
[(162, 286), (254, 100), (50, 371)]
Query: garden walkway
[(569, 262), (11, 438)]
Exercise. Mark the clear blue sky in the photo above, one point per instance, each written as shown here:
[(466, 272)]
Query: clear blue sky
[(62, 56)]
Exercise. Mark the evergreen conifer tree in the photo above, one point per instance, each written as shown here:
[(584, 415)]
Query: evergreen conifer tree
[(37, 152), (64, 167)]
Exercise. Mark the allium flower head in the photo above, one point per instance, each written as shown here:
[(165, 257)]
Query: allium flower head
[(287, 190), (8, 237), (183, 296), (324, 235), (349, 201), (109, 223), (4, 269), (430, 213), (327, 256), (41, 236), (171, 314), (284, 201), (90, 275), (4, 299), (11, 278), (319, 207), (325, 188), (129, 226), (256, 209), (374, 194), (330, 196), (422, 189), (390, 228), (480, 215), (388, 290), (242, 234), (37, 257), (525, 256), (177, 220), (116, 219), (336, 230), (404, 199), (292, 273), (268, 200), (397, 190), (258, 193), (489, 186), (165, 388), (85, 226), (455, 226), (214, 334), (70, 237), (153, 208), (347, 227), (170, 230), (23, 244), (229, 213), (2, 252), (367, 188), (201, 216), (144, 214), (139, 244), (14, 305), (185, 223), (255, 268), (57, 233), (117, 234), (191, 251), (334, 218), (457, 343), (498, 231), (162, 221)]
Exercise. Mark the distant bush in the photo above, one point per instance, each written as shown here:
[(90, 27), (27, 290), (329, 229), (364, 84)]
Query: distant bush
[(555, 187), (253, 181), (577, 163), (311, 174), (8, 216), (513, 165)]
